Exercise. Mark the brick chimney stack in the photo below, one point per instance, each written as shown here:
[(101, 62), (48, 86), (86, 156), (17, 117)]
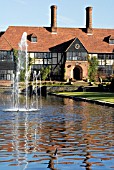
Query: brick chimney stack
[(89, 20), (53, 18)]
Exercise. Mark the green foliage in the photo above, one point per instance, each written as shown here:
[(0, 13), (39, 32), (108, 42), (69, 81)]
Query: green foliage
[(15, 54), (22, 75), (45, 72), (93, 67), (22, 72), (30, 61)]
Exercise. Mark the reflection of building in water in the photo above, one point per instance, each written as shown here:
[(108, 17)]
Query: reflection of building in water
[(88, 128), (22, 138), (93, 127), (76, 131), (74, 106), (68, 102)]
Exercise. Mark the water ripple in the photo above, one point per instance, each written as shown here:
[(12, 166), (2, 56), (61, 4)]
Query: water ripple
[(82, 134)]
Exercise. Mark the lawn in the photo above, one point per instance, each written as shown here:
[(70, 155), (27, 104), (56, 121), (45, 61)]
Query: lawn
[(106, 97)]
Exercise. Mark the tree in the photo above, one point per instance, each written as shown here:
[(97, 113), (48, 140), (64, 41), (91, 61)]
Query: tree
[(45, 72), (93, 67)]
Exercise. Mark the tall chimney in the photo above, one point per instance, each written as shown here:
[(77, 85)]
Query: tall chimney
[(53, 18), (89, 20)]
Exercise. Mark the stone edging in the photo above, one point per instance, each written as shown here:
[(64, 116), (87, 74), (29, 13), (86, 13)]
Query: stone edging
[(85, 99)]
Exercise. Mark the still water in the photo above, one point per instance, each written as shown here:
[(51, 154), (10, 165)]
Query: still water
[(62, 135)]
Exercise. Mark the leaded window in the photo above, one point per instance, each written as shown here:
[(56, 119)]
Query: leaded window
[(80, 56), (6, 56)]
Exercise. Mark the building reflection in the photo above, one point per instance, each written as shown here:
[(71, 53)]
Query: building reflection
[(76, 133)]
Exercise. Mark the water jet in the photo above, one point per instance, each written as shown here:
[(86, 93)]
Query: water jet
[(22, 62)]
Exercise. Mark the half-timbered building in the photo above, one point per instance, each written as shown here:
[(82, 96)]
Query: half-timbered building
[(65, 50)]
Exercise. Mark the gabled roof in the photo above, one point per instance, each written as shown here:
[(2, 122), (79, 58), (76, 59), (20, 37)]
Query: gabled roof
[(33, 35), (47, 41), (61, 47), (74, 43)]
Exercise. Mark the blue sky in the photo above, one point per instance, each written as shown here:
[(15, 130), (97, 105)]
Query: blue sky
[(70, 13)]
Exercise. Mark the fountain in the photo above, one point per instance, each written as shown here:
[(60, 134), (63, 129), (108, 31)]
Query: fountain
[(22, 66)]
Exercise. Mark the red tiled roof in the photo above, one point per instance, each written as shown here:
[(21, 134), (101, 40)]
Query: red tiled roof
[(95, 43), (111, 37), (5, 44)]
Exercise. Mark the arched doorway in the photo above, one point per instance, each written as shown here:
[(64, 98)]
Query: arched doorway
[(77, 73)]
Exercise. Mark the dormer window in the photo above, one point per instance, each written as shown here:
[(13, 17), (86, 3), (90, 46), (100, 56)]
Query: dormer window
[(111, 40), (33, 39)]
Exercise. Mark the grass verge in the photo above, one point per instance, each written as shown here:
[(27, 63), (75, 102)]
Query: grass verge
[(106, 97)]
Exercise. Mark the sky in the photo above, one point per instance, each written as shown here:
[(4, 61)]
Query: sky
[(70, 13)]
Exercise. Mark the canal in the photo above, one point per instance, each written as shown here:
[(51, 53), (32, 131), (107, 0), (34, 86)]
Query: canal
[(62, 135)]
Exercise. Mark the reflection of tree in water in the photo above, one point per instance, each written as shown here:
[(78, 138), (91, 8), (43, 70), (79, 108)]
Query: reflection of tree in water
[(51, 164), (87, 141), (88, 164), (51, 161)]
